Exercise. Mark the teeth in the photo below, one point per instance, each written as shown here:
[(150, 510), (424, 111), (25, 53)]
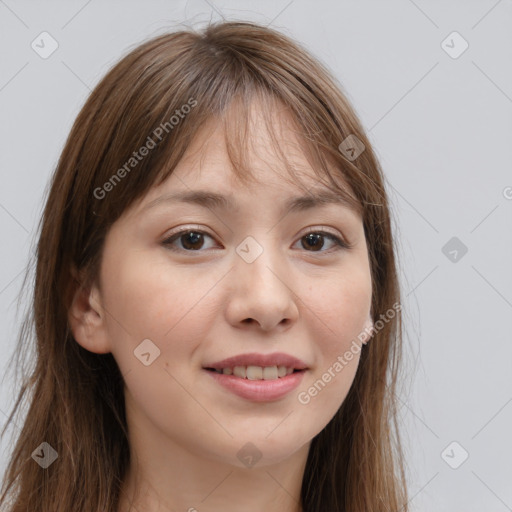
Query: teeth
[(257, 372), (254, 372), (281, 371), (240, 371), (270, 373)]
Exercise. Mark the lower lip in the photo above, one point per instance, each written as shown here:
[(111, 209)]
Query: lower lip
[(259, 390)]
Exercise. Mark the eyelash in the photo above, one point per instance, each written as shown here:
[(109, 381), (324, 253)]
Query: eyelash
[(339, 243)]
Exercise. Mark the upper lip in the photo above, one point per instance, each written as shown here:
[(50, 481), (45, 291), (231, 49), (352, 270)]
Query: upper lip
[(255, 359)]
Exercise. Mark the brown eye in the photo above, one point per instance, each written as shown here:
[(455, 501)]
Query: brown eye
[(190, 240), (313, 240), (316, 241)]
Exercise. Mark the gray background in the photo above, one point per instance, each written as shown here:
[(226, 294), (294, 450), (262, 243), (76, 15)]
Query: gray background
[(441, 127)]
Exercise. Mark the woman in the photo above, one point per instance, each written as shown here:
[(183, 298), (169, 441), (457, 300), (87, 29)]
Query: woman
[(216, 304)]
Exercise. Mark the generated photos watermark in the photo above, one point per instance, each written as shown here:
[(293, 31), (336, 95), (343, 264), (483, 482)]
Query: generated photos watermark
[(305, 397), (144, 150)]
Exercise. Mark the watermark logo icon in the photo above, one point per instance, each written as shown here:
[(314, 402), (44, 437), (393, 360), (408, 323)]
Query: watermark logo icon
[(351, 147), (454, 45), (454, 455), (146, 352), (44, 455), (249, 249), (44, 45), (249, 455), (454, 249)]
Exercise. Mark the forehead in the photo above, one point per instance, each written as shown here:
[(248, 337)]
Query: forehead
[(212, 183), (263, 138), (251, 148)]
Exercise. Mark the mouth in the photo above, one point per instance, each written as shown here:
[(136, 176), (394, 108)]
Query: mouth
[(257, 372), (258, 383), (257, 366)]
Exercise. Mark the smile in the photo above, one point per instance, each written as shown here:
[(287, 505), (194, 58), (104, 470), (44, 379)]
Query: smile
[(256, 372), (258, 389)]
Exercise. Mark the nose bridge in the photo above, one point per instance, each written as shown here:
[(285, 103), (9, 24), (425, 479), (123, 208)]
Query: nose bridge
[(260, 292), (261, 258)]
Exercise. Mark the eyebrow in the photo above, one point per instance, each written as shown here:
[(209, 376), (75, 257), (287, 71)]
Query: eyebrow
[(213, 200)]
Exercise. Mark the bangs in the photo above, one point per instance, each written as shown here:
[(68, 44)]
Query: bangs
[(287, 136)]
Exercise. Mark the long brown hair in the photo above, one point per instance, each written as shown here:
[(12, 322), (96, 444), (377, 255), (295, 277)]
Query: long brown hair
[(75, 397)]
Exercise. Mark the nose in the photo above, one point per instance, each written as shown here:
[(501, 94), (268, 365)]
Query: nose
[(261, 294)]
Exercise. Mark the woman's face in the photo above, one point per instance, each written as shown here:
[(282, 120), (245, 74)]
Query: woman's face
[(246, 279)]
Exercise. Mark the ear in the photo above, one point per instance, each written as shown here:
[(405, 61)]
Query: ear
[(368, 328), (87, 317)]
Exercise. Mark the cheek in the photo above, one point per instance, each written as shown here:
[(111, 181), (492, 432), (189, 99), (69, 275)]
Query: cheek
[(146, 294), (339, 308), (337, 312), (158, 302), (162, 304)]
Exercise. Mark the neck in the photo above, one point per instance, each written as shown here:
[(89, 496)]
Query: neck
[(182, 481), (170, 472)]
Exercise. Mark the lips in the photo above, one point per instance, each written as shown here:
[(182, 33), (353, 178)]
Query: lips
[(258, 390), (258, 377), (261, 360)]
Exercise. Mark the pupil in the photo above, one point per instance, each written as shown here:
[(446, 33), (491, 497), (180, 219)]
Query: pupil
[(313, 239), (192, 237)]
